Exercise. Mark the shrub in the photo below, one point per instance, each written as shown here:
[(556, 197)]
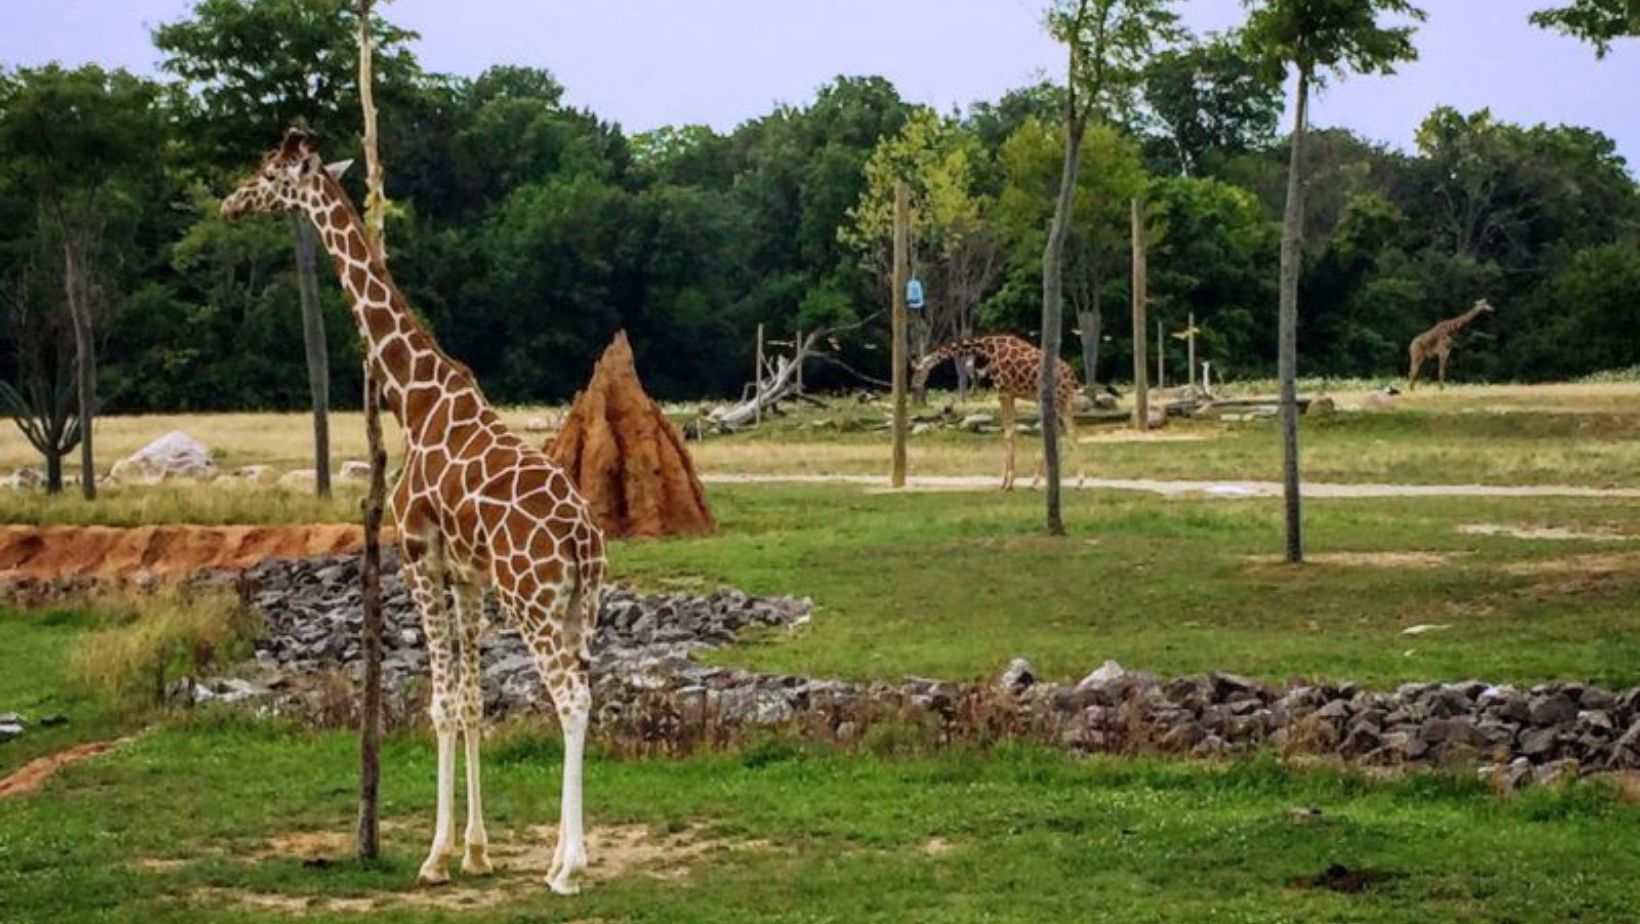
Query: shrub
[(161, 637)]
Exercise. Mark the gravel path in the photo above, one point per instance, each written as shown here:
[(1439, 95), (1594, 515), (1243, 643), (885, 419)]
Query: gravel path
[(1203, 489)]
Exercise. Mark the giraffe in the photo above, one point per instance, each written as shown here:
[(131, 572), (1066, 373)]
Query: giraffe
[(476, 509), (1437, 342), (1014, 366)]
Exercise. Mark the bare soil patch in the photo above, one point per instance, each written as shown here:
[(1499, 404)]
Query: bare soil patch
[(1594, 565), (161, 551), (1391, 559), (34, 774), (522, 858), (1549, 533)]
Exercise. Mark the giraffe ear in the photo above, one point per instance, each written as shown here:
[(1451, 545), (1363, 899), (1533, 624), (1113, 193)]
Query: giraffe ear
[(338, 168)]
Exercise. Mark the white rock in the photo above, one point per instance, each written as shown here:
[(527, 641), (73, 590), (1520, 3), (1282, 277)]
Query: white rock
[(1106, 673), (540, 424), (920, 428), (24, 479), (174, 455), (302, 479), (974, 423), (354, 470), (257, 474)]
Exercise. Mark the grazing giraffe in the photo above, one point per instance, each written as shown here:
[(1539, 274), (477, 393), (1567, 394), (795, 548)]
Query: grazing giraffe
[(1437, 342), (476, 508), (1014, 366)]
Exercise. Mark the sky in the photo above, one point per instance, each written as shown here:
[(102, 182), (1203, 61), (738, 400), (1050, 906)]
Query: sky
[(646, 63)]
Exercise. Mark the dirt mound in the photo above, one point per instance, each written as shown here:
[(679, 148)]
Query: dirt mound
[(161, 551), (627, 458)]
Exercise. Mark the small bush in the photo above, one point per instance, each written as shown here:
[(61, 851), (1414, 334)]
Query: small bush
[(159, 638)]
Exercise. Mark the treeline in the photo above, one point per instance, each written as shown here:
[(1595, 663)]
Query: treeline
[(527, 231)]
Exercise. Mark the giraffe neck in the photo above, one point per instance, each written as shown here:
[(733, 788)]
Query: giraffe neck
[(1463, 320), (401, 353)]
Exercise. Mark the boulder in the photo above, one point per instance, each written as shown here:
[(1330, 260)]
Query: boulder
[(628, 460), (978, 423), (1018, 677), (256, 474), (23, 479), (302, 479), (354, 470), (174, 455)]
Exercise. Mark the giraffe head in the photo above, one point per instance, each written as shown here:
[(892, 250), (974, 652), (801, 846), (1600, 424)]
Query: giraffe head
[(1482, 305), (290, 175)]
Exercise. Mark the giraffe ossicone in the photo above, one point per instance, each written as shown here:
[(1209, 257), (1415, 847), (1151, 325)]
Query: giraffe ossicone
[(477, 510), (1016, 367)]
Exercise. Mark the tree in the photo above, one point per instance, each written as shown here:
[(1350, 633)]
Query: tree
[(86, 144), (950, 227), (1096, 247), (1599, 22), (1208, 101), (1108, 43), (43, 404), (1315, 38), (258, 67)]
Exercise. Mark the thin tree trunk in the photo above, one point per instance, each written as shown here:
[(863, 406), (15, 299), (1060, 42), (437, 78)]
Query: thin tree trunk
[(85, 361), (54, 470), (1141, 323), (1292, 241), (1053, 312), (370, 723), (318, 353), (1091, 323)]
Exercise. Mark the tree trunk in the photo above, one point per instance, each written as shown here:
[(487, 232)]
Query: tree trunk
[(85, 359), (370, 731), (1092, 325), (1141, 322), (318, 353), (54, 470), (1292, 241), (1053, 312)]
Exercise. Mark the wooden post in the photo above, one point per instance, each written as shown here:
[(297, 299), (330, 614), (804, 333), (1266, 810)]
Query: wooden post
[(902, 271), (1141, 389), (1161, 346), (1191, 346), (370, 571), (757, 378)]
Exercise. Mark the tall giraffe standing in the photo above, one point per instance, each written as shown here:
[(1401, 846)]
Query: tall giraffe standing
[(475, 508), (1014, 366), (1437, 342)]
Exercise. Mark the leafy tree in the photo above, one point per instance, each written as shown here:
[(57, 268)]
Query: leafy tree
[(1096, 247), (1599, 22), (1207, 101), (1108, 42), (1315, 38), (257, 67), (87, 145)]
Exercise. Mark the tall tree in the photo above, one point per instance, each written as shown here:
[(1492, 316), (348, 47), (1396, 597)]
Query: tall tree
[(257, 67), (86, 144), (1315, 39), (1208, 101), (1108, 43), (1599, 22)]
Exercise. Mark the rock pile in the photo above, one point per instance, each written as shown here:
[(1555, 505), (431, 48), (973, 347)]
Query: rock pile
[(13, 725), (649, 689), (627, 458)]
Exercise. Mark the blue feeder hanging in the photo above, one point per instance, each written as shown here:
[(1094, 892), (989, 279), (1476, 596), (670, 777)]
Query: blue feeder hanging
[(914, 294)]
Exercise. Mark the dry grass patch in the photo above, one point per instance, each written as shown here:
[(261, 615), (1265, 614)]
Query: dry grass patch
[(1385, 559), (171, 633), (1549, 533)]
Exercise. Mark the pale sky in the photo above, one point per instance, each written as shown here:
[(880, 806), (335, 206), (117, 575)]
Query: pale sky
[(646, 63)]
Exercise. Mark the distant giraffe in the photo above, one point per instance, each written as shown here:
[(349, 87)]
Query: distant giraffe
[(1015, 367), (476, 509), (1437, 342)]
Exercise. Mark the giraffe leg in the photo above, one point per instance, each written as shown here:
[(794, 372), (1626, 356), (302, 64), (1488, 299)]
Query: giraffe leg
[(467, 604), (425, 576), (1441, 369), (1008, 437), (563, 657), (1412, 377)]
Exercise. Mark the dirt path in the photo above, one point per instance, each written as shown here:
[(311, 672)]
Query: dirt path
[(1203, 489), (35, 773)]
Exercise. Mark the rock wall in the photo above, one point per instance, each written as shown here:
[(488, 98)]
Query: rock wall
[(627, 459), (650, 693)]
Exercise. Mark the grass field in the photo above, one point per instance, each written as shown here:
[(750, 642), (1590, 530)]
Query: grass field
[(210, 818), (1552, 434)]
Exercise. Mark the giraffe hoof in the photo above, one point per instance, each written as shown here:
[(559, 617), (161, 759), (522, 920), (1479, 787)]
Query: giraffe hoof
[(477, 862), (564, 885), (432, 878)]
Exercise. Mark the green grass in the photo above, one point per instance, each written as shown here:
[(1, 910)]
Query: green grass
[(38, 681), (1029, 836), (954, 585)]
